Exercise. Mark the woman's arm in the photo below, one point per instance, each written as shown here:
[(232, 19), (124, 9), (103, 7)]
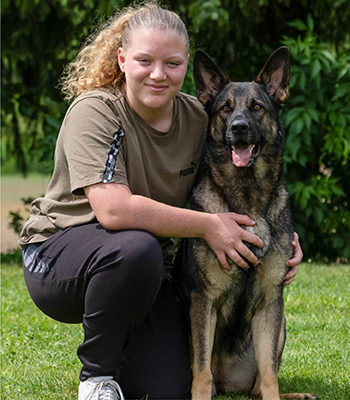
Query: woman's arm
[(117, 208)]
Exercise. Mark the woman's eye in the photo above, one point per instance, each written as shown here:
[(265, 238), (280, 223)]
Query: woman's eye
[(257, 107), (173, 64), (226, 108)]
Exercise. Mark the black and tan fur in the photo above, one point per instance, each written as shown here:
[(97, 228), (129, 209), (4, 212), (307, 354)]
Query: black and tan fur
[(237, 321)]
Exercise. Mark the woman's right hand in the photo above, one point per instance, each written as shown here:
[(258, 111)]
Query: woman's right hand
[(225, 237)]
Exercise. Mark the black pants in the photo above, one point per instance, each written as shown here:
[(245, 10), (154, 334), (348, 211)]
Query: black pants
[(114, 283)]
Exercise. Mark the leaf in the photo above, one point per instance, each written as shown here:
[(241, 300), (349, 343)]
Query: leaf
[(308, 120), (326, 54), (310, 23), (293, 80), (299, 99), (333, 118), (294, 147), (297, 126), (314, 114), (341, 91), (319, 215), (306, 194), (326, 64), (347, 252), (294, 113), (343, 120), (307, 53), (302, 81), (318, 81), (338, 241), (298, 24), (343, 71), (338, 191), (303, 159), (315, 68)]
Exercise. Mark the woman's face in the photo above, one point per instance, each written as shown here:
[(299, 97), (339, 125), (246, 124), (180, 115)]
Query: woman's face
[(155, 65)]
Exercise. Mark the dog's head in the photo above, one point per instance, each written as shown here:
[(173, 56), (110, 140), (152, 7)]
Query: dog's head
[(244, 117)]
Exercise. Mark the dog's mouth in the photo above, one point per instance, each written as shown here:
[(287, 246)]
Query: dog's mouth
[(244, 154)]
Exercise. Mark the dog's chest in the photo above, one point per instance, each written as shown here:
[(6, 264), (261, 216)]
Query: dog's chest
[(220, 285), (209, 198), (216, 280)]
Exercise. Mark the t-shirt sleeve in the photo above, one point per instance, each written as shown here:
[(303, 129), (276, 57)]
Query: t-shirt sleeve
[(93, 143)]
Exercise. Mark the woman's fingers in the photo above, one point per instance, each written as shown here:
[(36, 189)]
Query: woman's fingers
[(234, 256)]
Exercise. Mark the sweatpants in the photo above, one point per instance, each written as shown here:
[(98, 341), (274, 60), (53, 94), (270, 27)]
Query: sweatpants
[(113, 282)]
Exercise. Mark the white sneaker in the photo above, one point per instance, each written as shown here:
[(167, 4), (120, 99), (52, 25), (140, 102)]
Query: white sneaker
[(97, 389)]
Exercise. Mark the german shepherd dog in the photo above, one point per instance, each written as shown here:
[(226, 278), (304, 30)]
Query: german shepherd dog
[(236, 319)]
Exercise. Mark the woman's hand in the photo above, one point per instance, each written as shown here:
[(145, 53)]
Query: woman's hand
[(294, 262), (225, 237)]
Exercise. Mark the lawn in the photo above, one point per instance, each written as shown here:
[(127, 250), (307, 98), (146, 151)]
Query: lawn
[(39, 355)]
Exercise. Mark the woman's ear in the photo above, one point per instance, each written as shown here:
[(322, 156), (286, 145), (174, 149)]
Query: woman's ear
[(121, 59)]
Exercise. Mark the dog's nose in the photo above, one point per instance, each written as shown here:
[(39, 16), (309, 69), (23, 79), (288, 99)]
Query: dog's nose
[(240, 126)]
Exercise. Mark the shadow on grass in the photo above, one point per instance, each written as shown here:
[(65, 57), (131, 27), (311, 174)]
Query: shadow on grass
[(315, 386), (325, 390)]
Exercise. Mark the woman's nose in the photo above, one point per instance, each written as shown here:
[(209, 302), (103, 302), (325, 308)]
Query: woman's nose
[(158, 72)]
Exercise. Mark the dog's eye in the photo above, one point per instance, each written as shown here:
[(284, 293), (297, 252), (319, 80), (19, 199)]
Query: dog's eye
[(226, 108), (257, 107)]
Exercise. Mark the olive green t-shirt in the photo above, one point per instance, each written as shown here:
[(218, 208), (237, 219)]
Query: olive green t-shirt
[(102, 139)]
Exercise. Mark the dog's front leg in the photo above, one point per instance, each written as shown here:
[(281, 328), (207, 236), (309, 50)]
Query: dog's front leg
[(268, 328), (203, 323)]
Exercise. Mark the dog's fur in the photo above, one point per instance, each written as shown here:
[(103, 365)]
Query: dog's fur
[(237, 321)]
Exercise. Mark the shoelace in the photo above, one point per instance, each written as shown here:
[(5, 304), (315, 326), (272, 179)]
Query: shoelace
[(107, 390)]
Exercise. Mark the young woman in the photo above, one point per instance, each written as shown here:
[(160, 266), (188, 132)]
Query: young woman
[(97, 247)]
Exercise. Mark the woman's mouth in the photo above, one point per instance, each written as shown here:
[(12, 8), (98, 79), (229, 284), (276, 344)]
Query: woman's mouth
[(157, 88)]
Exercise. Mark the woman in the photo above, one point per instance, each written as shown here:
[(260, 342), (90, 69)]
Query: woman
[(97, 247)]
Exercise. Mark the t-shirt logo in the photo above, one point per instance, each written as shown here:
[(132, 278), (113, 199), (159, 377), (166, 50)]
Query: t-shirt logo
[(189, 171)]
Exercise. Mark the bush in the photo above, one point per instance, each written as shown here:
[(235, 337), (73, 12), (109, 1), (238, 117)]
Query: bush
[(317, 123)]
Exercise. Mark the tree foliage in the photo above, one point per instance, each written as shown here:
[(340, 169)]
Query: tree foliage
[(40, 37), (317, 120)]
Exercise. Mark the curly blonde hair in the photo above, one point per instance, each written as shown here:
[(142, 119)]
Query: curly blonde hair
[(96, 65)]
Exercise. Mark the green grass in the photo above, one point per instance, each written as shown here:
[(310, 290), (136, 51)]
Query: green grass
[(39, 359)]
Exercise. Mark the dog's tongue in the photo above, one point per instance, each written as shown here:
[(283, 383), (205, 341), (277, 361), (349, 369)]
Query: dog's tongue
[(241, 154)]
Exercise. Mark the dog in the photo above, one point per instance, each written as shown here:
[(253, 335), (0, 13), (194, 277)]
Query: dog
[(237, 323)]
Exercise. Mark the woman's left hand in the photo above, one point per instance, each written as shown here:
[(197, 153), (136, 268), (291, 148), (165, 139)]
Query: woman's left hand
[(294, 262)]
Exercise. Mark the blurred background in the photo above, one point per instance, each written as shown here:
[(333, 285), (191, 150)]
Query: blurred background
[(40, 36)]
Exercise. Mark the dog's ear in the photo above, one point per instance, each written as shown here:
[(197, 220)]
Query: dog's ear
[(275, 75), (207, 76)]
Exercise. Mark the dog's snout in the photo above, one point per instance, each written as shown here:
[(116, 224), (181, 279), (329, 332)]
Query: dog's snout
[(240, 126)]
